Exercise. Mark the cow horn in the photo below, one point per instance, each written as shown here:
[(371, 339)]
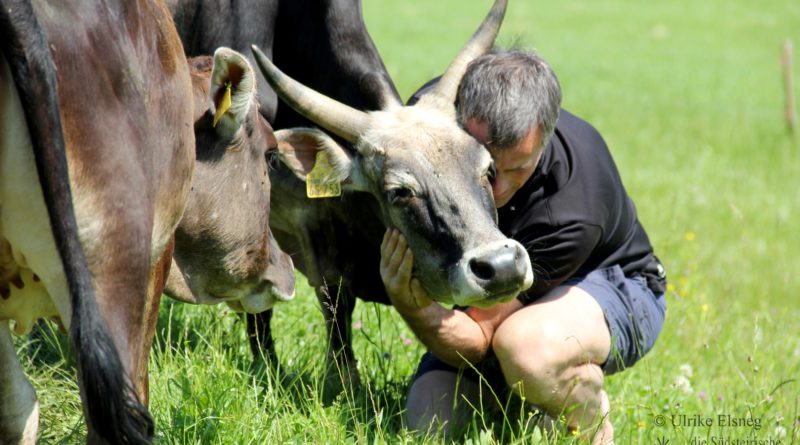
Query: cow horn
[(334, 116), (480, 43)]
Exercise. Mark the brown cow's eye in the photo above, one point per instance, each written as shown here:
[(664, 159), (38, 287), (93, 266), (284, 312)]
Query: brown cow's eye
[(399, 195)]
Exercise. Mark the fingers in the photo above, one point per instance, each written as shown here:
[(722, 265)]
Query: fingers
[(397, 264), (399, 253), (405, 266), (421, 297), (388, 246), (393, 251)]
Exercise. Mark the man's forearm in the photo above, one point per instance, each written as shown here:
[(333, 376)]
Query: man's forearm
[(451, 335)]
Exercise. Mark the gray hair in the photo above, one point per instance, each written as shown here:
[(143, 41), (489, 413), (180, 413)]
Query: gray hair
[(512, 91)]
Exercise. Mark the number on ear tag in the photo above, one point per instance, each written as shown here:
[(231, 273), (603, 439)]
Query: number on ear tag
[(321, 181)]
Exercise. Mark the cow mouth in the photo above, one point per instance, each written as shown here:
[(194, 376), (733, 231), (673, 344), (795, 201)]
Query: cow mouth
[(263, 298), (493, 273), (251, 304), (279, 294), (498, 297)]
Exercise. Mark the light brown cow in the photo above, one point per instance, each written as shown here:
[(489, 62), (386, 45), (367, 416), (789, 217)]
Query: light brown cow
[(224, 250)]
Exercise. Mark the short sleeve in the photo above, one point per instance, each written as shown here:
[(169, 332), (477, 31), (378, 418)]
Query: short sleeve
[(557, 255)]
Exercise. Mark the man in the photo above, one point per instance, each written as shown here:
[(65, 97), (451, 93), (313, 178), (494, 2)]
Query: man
[(597, 304)]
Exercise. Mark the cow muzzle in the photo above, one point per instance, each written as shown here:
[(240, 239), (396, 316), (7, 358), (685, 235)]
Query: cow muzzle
[(265, 299), (493, 273)]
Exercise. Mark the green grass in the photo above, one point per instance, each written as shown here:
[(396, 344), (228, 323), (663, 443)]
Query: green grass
[(689, 97)]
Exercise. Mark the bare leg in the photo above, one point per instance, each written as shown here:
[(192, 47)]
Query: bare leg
[(439, 399), (19, 410), (551, 353)]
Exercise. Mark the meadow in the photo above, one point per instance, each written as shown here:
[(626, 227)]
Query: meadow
[(689, 97)]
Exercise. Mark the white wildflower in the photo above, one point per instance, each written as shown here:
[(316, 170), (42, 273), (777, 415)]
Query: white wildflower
[(683, 383)]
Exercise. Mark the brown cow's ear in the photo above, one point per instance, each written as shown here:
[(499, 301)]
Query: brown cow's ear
[(233, 88), (298, 148)]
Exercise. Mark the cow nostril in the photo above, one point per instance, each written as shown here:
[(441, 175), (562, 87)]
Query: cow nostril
[(481, 269)]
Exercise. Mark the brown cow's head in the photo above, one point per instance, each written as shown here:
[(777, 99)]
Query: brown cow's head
[(224, 250), (429, 176)]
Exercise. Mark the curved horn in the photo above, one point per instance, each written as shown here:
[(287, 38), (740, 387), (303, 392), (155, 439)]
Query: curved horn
[(478, 44), (334, 116)]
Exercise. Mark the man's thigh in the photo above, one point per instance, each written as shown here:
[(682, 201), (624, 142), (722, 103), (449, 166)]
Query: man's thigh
[(564, 328), (604, 318)]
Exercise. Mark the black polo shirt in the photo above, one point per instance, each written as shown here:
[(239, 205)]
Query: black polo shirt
[(574, 216)]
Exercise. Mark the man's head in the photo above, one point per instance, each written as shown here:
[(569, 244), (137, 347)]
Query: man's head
[(509, 101)]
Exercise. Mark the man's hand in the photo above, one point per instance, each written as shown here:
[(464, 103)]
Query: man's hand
[(454, 336), (397, 262)]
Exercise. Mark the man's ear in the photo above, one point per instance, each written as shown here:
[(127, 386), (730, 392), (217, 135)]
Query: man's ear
[(233, 87), (299, 148)]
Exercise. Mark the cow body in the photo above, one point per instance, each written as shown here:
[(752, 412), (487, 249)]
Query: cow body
[(334, 241), (120, 139), (205, 25), (297, 34)]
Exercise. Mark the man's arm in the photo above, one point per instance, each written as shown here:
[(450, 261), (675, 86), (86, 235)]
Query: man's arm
[(453, 336)]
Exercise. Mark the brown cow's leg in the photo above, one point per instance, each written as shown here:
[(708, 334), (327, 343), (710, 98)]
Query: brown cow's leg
[(341, 371), (134, 327), (158, 277), (19, 410)]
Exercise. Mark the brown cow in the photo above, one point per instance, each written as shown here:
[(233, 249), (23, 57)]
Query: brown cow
[(96, 157), (224, 250)]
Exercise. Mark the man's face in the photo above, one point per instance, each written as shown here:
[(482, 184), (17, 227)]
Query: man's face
[(514, 165)]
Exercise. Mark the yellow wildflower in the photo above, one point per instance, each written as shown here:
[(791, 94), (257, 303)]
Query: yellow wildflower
[(690, 236)]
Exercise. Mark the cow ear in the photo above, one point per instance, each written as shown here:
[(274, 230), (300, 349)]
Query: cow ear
[(299, 147), (233, 88)]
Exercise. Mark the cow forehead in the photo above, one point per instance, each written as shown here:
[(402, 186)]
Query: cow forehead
[(421, 133)]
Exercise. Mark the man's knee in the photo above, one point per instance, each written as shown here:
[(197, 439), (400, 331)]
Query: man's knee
[(437, 400), (536, 344), (528, 355), (430, 400)]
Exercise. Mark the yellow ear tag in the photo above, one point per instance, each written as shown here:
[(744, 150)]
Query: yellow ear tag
[(320, 181), (224, 104)]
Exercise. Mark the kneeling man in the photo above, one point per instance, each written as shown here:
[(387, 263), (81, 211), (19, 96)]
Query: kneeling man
[(597, 304)]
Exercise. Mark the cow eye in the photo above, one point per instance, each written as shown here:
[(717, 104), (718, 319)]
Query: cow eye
[(398, 195), (491, 173)]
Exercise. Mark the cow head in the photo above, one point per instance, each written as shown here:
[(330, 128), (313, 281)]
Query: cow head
[(224, 250), (429, 176)]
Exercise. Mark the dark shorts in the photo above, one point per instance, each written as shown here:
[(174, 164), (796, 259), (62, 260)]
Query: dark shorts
[(633, 313)]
